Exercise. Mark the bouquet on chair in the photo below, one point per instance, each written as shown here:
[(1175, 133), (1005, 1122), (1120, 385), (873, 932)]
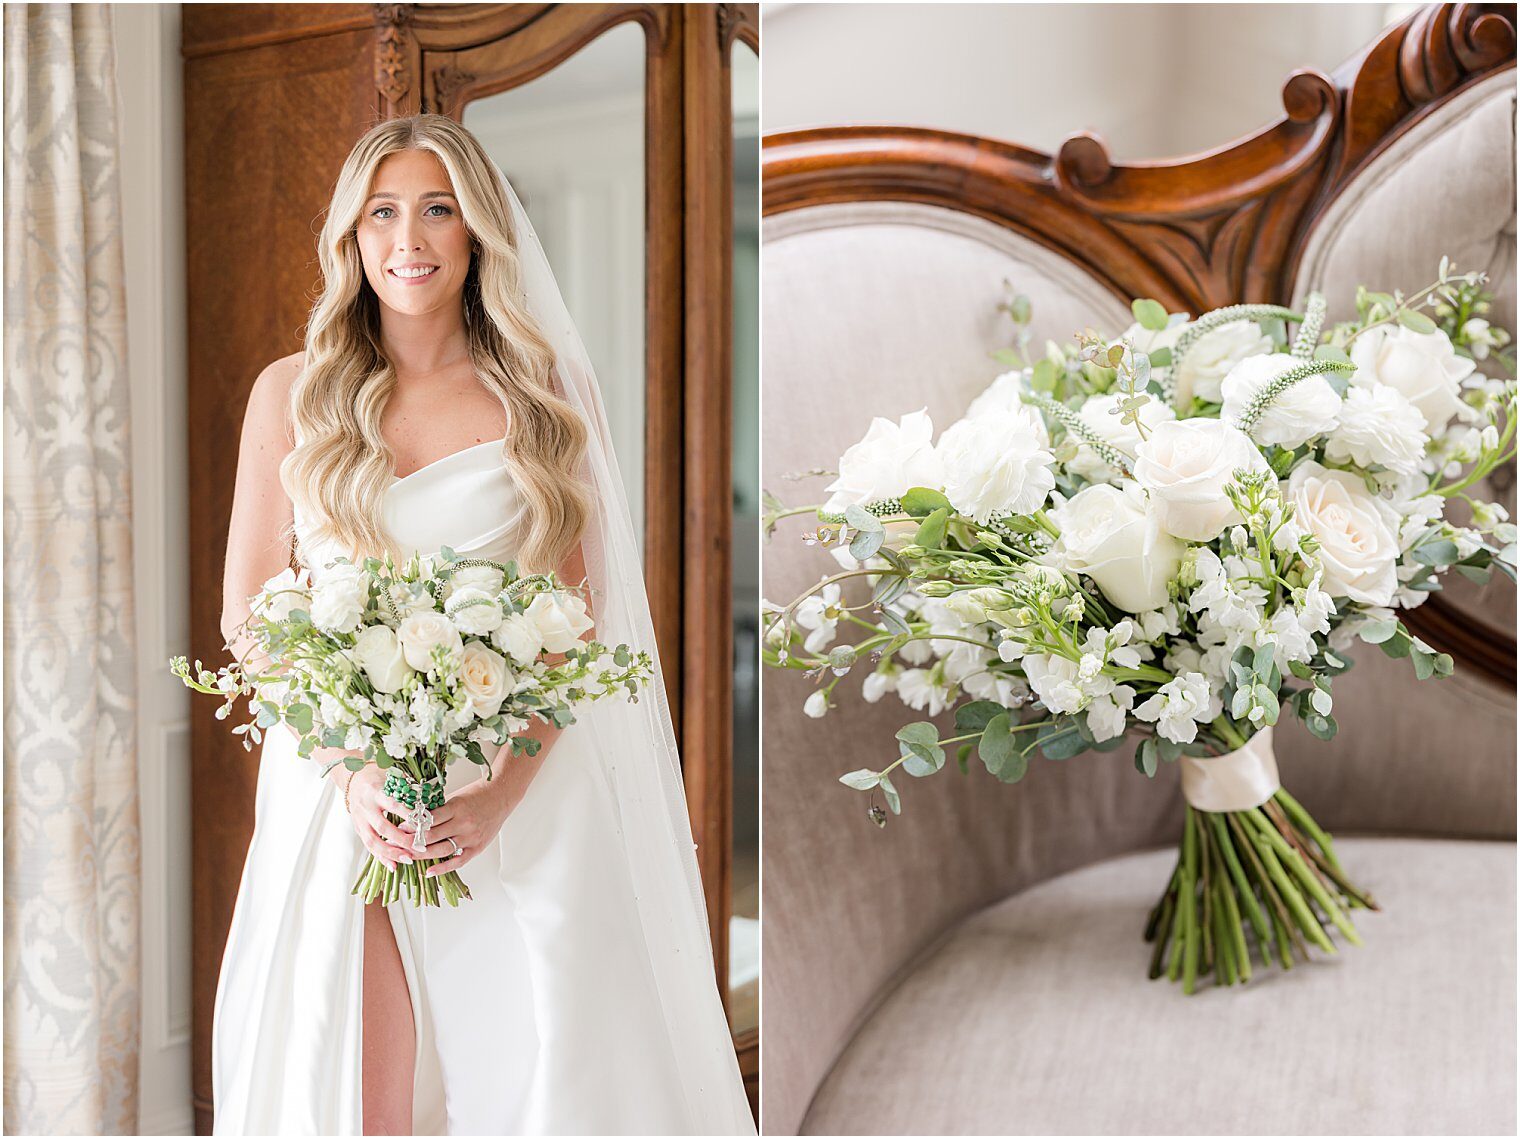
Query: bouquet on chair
[(415, 667), (1171, 536)]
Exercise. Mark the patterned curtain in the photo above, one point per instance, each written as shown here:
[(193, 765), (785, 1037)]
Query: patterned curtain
[(71, 820)]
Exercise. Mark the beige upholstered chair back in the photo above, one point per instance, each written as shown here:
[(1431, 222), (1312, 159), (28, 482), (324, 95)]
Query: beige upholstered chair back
[(881, 307)]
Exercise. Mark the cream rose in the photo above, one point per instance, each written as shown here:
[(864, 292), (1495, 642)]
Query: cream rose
[(1297, 414), (1109, 535), (421, 633), (1186, 465), (1004, 393), (1214, 356), (475, 612), (560, 620), (1357, 546), (1423, 367), (378, 653), (485, 678), (520, 638)]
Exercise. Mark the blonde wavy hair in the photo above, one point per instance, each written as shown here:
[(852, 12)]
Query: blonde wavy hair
[(341, 466)]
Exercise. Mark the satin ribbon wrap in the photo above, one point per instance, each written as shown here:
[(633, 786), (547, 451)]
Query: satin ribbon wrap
[(1233, 782)]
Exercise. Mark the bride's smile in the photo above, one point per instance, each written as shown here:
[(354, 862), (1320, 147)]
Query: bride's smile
[(412, 239)]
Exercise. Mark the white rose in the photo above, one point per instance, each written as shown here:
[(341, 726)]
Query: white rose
[(1004, 393), (1109, 535), (472, 617), (1357, 546), (339, 598), (489, 580), (485, 678), (1423, 367), (520, 638), (889, 460), (997, 463), (561, 620), (1098, 414), (1186, 465), (420, 633), (378, 652), (1297, 414), (283, 595), (1214, 356), (1378, 427)]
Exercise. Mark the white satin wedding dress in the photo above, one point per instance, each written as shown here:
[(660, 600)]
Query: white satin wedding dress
[(536, 1003)]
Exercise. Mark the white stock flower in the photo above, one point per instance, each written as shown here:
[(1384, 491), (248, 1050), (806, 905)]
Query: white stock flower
[(923, 690), (816, 706), (1226, 592), (338, 598), (1297, 414), (891, 459), (519, 637), (485, 678), (1108, 715), (561, 620), (1482, 337), (1179, 706), (1098, 414), (1378, 427), (997, 463), (1421, 366), (378, 652), (421, 633), (1357, 547), (1005, 393), (1143, 339), (878, 683), (472, 617), (1185, 465), (1213, 357), (1110, 535), (819, 614)]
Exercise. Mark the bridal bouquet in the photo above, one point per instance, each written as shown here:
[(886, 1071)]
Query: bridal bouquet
[(415, 667), (1170, 537)]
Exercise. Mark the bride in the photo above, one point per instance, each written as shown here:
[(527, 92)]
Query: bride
[(444, 398)]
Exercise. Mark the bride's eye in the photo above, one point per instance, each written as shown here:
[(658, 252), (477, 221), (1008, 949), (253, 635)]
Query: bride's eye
[(446, 210)]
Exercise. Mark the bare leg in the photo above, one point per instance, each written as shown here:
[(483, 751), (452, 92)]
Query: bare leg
[(390, 1039)]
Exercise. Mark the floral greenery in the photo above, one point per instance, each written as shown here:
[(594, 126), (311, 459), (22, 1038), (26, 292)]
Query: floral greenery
[(1173, 535), (400, 665)]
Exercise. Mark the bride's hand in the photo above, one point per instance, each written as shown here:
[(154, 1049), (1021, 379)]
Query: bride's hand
[(367, 806), (472, 816)]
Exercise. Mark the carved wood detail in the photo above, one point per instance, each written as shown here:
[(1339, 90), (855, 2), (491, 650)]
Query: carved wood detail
[(1195, 233), (392, 51)]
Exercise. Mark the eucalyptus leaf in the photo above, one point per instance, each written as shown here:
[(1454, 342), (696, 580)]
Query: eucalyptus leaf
[(865, 543), (861, 779), (859, 519), (894, 803), (1000, 752), (976, 716), (1150, 314), (1435, 553), (1376, 632), (1416, 321), (1146, 757), (1060, 741)]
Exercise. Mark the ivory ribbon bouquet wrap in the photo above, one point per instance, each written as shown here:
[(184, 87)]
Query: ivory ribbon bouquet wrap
[(1169, 538), (414, 667)]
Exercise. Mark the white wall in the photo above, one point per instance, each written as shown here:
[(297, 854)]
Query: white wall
[(1155, 80), (151, 145)]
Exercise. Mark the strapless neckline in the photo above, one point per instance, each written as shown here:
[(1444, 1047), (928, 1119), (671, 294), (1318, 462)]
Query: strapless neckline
[(396, 481)]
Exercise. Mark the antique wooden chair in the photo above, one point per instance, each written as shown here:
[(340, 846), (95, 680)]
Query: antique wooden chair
[(978, 966)]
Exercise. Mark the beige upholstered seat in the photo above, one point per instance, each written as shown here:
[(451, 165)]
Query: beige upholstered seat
[(930, 977)]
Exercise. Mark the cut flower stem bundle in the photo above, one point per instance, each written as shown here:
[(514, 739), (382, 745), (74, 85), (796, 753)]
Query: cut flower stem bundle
[(1265, 879)]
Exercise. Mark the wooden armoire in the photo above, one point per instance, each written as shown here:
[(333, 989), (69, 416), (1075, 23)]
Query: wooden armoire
[(275, 95)]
